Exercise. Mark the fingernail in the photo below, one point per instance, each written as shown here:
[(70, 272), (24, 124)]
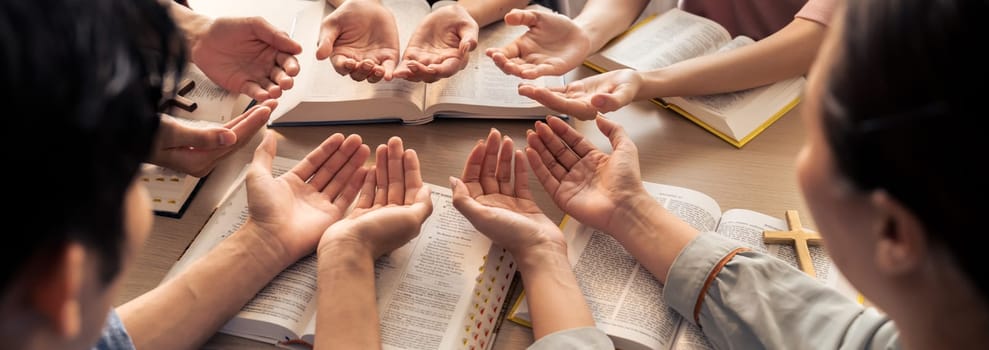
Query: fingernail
[(226, 138), (453, 181)]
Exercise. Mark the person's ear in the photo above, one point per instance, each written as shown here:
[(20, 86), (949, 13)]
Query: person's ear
[(55, 294), (901, 239)]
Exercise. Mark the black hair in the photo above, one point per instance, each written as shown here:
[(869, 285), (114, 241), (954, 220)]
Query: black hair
[(903, 111), (80, 81)]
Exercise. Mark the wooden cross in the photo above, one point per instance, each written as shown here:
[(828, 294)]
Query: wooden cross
[(179, 100), (799, 238)]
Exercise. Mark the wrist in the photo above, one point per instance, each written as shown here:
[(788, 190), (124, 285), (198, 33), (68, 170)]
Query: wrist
[(265, 250), (541, 256), (654, 83), (633, 214), (343, 247)]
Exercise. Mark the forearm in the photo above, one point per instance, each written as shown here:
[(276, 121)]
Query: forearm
[(486, 12), (649, 232), (185, 311), (347, 313), (555, 299), (785, 54), (192, 23), (603, 20)]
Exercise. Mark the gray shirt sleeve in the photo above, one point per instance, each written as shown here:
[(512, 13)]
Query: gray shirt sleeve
[(114, 335), (747, 300), (584, 338)]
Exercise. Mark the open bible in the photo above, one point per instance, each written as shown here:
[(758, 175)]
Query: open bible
[(625, 298), (676, 35), (445, 289), (481, 90)]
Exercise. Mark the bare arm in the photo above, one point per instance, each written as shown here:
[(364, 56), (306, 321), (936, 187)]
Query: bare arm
[(787, 53), (348, 313), (603, 20), (486, 12)]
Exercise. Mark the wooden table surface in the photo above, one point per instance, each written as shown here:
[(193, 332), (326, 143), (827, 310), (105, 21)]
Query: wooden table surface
[(672, 151)]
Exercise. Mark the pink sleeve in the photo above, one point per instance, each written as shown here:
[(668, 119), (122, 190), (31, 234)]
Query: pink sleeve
[(817, 10)]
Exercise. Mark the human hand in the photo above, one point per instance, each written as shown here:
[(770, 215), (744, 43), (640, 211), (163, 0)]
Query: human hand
[(553, 45), (295, 208), (392, 206), (593, 187), (196, 150), (246, 55), (502, 211), (585, 98), (361, 39), (439, 47)]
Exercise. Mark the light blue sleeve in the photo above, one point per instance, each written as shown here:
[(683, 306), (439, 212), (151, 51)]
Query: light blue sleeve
[(114, 335), (756, 301), (584, 338)]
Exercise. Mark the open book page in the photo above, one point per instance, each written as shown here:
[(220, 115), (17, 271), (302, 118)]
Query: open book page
[(214, 104), (690, 337), (285, 305), (747, 226), (658, 42), (322, 95), (625, 298), (483, 89)]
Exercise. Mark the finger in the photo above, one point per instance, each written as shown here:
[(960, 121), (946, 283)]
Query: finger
[(539, 70), (253, 122), (353, 187), (464, 202), (389, 68), (280, 77), (545, 177), (264, 155), (527, 18), (413, 175), (343, 65), (340, 180), (447, 68), (274, 91), (544, 155), (381, 175), (254, 90), (274, 37), (504, 172), (557, 102), (468, 37), (328, 38), (308, 166), (611, 129), (472, 168), (402, 72), (396, 171), (367, 196), (289, 63), (363, 70), (423, 203), (489, 183), (620, 96), (521, 176), (175, 134), (574, 139), (556, 146)]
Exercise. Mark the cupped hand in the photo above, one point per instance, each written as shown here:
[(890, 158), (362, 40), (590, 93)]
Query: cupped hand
[(586, 183), (295, 208), (554, 45), (361, 40), (393, 204), (502, 209), (246, 55), (196, 150), (587, 97), (440, 47)]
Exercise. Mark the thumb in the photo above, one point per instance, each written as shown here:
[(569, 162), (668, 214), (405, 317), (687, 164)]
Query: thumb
[(528, 18), (263, 156), (468, 39), (423, 202), (274, 37), (616, 134), (462, 200), (327, 39), (608, 102), (175, 134)]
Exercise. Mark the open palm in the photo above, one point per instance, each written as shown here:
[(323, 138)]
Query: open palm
[(393, 204), (440, 46), (503, 211), (553, 45), (247, 55), (361, 40), (587, 97), (585, 182), (299, 205)]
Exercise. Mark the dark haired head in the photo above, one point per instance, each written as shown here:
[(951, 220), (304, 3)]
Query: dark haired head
[(80, 81), (903, 103)]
